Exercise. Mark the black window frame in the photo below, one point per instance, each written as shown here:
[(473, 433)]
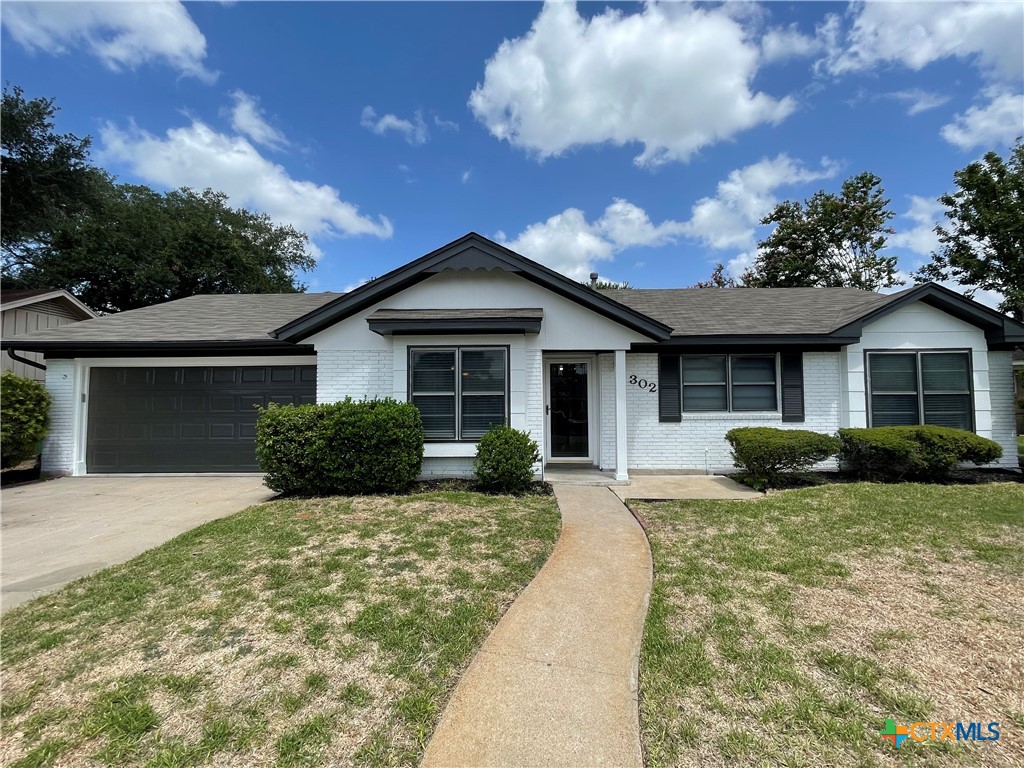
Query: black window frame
[(919, 375), (729, 383), (457, 394)]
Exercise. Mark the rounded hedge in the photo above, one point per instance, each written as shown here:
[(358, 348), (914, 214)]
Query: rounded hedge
[(505, 458), (24, 418), (347, 448), (912, 452), (766, 454)]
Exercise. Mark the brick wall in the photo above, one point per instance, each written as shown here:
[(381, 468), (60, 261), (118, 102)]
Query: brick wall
[(59, 446), (361, 375), (1004, 428), (698, 441), (534, 374)]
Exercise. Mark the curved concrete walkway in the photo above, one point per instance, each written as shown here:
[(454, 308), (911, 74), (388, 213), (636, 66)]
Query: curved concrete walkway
[(555, 684)]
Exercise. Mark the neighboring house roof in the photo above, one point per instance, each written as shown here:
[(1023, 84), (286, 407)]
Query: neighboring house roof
[(210, 321), (23, 297)]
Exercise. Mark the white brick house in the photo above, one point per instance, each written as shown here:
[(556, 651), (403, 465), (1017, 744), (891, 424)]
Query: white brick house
[(475, 334)]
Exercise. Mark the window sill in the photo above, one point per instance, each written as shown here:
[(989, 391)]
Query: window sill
[(449, 450)]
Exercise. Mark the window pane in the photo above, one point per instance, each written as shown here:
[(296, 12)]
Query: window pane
[(704, 369), (753, 370), (433, 370), (948, 411), (706, 398), (893, 373), (480, 413), (483, 370), (754, 397), (438, 414), (945, 372), (893, 410)]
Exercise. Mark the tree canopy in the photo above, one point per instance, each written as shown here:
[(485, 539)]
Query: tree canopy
[(45, 177), (718, 279), (67, 224), (829, 240), (983, 243)]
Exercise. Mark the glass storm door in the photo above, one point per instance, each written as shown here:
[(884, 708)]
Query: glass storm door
[(567, 404)]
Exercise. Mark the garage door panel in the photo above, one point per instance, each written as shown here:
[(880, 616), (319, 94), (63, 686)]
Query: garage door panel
[(185, 418)]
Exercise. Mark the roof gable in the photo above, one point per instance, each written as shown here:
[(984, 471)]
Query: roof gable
[(470, 252), (999, 329), (18, 298)]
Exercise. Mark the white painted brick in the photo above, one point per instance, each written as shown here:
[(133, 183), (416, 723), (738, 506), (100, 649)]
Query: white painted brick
[(359, 374), (59, 446), (698, 441), (1004, 428)]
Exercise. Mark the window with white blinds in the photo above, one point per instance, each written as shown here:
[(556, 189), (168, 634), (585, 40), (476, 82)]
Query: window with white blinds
[(921, 387), (461, 392)]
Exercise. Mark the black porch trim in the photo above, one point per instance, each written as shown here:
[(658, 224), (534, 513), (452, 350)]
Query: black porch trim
[(392, 322)]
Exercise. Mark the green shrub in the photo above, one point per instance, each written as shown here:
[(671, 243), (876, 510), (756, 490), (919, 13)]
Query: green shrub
[(766, 454), (912, 452), (346, 448), (24, 418), (504, 460)]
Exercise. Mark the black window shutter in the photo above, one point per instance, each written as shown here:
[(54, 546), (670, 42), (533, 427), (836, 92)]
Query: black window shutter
[(792, 386), (669, 402)]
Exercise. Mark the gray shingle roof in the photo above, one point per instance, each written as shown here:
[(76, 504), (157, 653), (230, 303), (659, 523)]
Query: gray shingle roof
[(689, 311), (228, 317), (750, 311)]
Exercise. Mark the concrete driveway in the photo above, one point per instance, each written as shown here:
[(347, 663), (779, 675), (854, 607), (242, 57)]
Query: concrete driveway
[(60, 530)]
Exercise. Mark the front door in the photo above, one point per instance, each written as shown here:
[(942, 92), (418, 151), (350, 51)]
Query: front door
[(568, 404)]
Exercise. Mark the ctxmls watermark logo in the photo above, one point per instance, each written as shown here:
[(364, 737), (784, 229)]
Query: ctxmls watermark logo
[(933, 731)]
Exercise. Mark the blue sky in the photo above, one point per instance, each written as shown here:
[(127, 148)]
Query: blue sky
[(640, 141)]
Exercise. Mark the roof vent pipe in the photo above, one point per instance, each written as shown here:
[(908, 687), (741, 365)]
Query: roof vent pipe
[(593, 279)]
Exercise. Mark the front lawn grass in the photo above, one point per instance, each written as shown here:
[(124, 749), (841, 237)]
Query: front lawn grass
[(784, 631), (295, 633)]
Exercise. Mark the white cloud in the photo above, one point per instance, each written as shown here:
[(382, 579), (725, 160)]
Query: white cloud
[(992, 126), (918, 100), (414, 131), (781, 43), (920, 238), (570, 244), (916, 34), (247, 118), (466, 175), (446, 125), (728, 219), (199, 157), (672, 77), (123, 35)]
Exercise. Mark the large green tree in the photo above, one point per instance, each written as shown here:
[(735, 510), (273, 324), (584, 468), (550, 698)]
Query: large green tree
[(142, 247), (829, 240), (46, 179), (983, 243), (66, 224)]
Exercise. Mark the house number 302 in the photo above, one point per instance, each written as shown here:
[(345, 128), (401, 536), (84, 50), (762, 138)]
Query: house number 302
[(651, 386)]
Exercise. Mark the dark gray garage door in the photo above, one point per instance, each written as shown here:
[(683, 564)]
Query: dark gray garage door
[(195, 419)]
